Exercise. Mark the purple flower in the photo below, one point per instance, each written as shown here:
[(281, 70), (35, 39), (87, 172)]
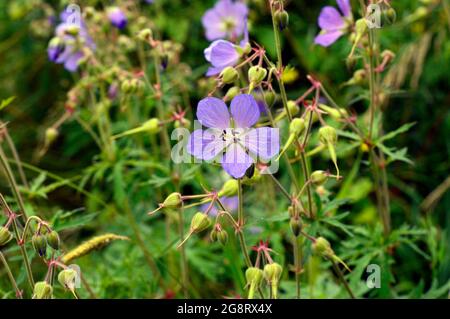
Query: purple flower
[(229, 138), (67, 45), (227, 19), (223, 53), (220, 54), (229, 203), (333, 24), (117, 17), (150, 1)]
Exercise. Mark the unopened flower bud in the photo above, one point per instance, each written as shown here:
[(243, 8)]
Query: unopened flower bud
[(297, 126), (272, 272), (53, 239), (199, 222), (334, 113), (67, 278), (293, 107), (256, 75), (296, 226), (174, 200), (232, 92), (328, 135), (388, 14), (126, 86), (229, 188), (42, 290), (254, 277), (319, 177), (50, 135), (40, 244), (269, 97), (151, 126), (145, 34), (322, 247), (5, 236), (222, 237), (282, 19), (229, 75)]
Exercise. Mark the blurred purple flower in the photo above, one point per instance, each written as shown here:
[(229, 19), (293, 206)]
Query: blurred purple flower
[(226, 19), (150, 1), (230, 139), (67, 45), (333, 23), (223, 53), (229, 203), (117, 17)]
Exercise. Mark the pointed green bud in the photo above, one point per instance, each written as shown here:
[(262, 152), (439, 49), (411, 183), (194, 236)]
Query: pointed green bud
[(293, 107), (229, 75), (269, 97), (322, 247), (145, 35), (53, 240), (388, 15), (229, 188), (282, 19), (319, 177), (296, 226), (42, 290), (151, 126), (40, 244), (256, 75), (213, 235), (327, 135), (67, 278), (222, 237), (334, 113), (360, 28), (199, 222), (254, 277), (51, 134), (5, 236), (297, 126), (174, 200), (272, 272), (126, 86), (232, 92)]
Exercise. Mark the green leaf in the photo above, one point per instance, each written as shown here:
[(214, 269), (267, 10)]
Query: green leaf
[(6, 102), (119, 186), (395, 154), (402, 129)]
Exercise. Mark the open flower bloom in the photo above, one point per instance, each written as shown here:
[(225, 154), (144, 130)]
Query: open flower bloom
[(67, 45), (220, 54), (333, 23), (117, 17), (223, 53), (229, 138), (226, 19)]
